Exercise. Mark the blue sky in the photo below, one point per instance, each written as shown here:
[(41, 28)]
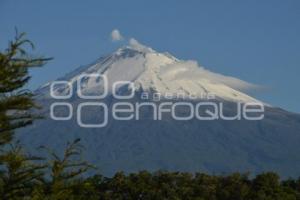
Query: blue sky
[(256, 40)]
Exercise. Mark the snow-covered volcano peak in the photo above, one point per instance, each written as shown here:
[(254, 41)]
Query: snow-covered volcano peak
[(134, 48), (162, 73)]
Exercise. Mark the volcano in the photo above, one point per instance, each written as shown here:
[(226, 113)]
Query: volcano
[(212, 146)]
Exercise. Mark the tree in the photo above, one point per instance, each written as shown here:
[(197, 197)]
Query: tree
[(18, 173), (234, 187), (65, 171), (266, 186), (15, 101)]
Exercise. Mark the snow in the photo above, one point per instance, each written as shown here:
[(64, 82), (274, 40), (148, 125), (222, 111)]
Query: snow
[(162, 73)]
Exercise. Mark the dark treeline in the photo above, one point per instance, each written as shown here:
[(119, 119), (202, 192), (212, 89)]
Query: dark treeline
[(26, 177), (167, 185)]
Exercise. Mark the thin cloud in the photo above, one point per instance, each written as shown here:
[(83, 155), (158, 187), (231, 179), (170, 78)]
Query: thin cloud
[(116, 35), (133, 43), (191, 69)]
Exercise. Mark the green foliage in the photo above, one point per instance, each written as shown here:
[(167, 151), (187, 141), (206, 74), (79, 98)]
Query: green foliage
[(65, 170), (175, 186), (19, 173), (15, 101)]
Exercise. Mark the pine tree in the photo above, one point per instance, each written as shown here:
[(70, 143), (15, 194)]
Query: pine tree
[(66, 171), (15, 101), (18, 172)]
